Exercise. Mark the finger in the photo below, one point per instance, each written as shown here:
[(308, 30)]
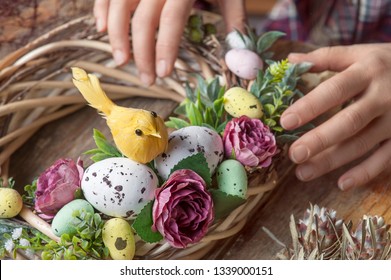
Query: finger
[(335, 58), (351, 149), (343, 125), (172, 23), (144, 25), (332, 92), (101, 10), (118, 29), (234, 14), (368, 169)]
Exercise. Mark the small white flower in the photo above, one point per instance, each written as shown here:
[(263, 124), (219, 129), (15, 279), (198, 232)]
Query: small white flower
[(24, 242), (9, 245), (17, 233)]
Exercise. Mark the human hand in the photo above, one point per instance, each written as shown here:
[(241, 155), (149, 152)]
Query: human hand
[(364, 78), (153, 56)]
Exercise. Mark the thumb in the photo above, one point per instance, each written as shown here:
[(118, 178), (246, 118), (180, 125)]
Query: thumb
[(327, 58), (234, 14)]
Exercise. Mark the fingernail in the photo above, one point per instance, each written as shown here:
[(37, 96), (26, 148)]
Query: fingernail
[(305, 172), (119, 57), (161, 68), (146, 79), (290, 121), (346, 184), (300, 154)]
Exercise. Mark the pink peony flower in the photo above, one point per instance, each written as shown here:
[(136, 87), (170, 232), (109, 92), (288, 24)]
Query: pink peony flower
[(250, 141), (57, 186), (183, 209)]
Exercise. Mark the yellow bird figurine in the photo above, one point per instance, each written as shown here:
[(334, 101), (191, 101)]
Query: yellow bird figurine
[(139, 134)]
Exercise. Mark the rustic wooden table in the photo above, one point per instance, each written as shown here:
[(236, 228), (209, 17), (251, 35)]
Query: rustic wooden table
[(72, 135)]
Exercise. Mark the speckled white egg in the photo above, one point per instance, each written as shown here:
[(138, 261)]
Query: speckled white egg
[(189, 141), (119, 187), (243, 63)]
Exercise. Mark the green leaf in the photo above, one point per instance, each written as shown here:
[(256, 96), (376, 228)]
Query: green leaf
[(105, 147), (224, 203), (270, 122), (190, 94), (208, 116), (303, 67), (221, 127), (143, 225), (92, 151), (176, 123), (198, 164), (202, 85), (218, 107), (269, 109), (267, 40), (194, 114), (208, 126), (99, 157), (181, 109), (213, 89)]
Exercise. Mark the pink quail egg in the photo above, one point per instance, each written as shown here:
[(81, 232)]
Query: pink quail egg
[(243, 63)]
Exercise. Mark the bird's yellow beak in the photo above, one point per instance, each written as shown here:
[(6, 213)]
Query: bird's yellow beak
[(156, 134)]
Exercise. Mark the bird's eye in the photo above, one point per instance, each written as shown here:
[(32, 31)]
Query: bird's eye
[(138, 132), (153, 114)]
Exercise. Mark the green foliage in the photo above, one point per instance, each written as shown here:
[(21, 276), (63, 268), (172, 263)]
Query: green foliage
[(276, 88), (103, 148), (143, 225), (29, 195), (266, 40), (203, 106), (86, 244), (260, 43), (18, 236), (224, 203), (198, 164)]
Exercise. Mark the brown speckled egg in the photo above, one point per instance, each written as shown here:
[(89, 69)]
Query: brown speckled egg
[(119, 187)]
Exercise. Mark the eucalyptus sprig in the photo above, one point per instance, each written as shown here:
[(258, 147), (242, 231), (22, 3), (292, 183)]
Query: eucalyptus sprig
[(203, 106), (276, 88), (86, 244), (103, 148)]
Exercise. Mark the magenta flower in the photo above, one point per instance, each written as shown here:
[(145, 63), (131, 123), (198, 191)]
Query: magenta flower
[(249, 141), (183, 209), (57, 186)]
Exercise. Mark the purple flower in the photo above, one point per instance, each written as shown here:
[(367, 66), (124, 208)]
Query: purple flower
[(183, 209), (57, 186), (249, 141)]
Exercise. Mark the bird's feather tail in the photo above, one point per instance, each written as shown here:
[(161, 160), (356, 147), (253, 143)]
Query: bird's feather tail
[(90, 88)]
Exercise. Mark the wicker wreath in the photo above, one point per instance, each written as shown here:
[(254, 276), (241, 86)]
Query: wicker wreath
[(36, 88)]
